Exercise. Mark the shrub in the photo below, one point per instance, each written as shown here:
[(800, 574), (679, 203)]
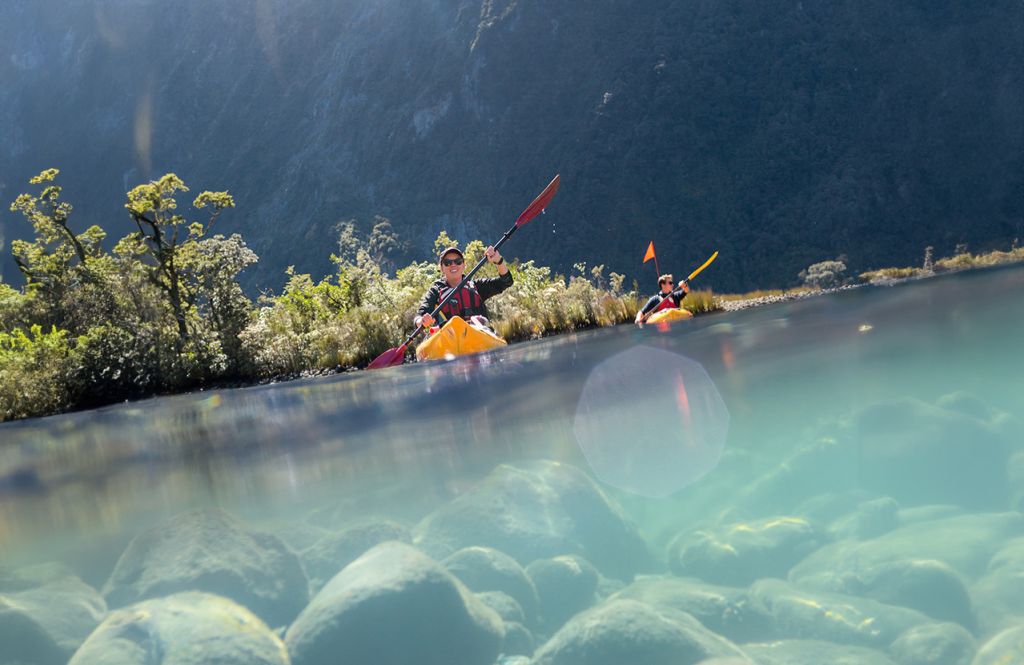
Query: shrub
[(33, 377)]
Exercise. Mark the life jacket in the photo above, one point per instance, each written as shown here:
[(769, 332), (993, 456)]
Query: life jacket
[(465, 303), (668, 302)]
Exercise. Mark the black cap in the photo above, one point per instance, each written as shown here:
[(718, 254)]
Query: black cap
[(450, 249)]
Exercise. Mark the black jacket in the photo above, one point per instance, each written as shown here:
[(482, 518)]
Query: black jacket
[(486, 288), (677, 296)]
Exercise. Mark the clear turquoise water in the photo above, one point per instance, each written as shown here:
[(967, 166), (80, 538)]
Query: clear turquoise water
[(855, 418)]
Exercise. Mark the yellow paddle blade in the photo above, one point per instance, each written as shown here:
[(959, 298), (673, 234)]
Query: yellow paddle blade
[(706, 264)]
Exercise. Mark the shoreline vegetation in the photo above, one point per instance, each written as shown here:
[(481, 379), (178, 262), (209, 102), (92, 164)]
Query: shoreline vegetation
[(163, 311)]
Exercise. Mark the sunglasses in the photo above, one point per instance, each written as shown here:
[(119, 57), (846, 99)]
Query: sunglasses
[(448, 262)]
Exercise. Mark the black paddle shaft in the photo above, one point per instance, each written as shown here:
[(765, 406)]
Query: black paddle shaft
[(468, 276)]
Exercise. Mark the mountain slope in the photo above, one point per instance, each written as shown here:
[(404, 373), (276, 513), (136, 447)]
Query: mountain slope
[(781, 133)]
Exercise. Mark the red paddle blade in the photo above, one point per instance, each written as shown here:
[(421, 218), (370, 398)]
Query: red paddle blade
[(389, 358), (540, 202)]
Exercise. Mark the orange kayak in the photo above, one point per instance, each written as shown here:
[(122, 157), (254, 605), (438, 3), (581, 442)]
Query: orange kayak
[(457, 338), (669, 315)]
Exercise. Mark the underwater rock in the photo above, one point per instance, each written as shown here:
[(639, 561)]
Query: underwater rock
[(503, 605), (815, 615), (934, 644), (190, 628), (999, 595), (723, 610), (918, 453), (395, 606), (814, 652), (628, 631), (914, 452), (46, 613), (965, 543), (335, 551), (536, 510), (297, 535), (1005, 648), (209, 550), (824, 468), (566, 585), (487, 569), (925, 585), (32, 576), (868, 520), (908, 516), (737, 554), (518, 640), (1004, 423)]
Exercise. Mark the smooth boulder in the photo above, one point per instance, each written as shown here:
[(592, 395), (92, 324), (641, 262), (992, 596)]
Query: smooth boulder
[(801, 614), (934, 644), (815, 652), (46, 613), (487, 569), (925, 585), (1002, 649), (325, 558), (393, 606), (628, 631), (189, 628), (739, 553), (209, 550), (727, 611), (537, 510), (566, 586)]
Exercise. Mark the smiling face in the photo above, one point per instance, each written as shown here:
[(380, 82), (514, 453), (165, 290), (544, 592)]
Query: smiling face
[(452, 267)]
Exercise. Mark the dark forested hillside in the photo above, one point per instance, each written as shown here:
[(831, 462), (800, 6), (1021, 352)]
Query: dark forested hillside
[(780, 132)]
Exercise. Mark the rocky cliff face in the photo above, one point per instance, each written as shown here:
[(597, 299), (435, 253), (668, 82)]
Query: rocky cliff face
[(781, 133)]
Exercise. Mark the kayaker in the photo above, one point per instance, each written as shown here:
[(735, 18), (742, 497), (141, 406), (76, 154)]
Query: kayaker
[(469, 301), (666, 298)]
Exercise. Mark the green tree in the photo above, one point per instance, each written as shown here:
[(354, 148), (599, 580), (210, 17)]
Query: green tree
[(178, 265)]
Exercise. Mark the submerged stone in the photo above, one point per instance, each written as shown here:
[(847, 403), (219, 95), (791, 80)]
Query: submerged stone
[(965, 543), (330, 554), (1005, 648), (487, 569), (722, 609), (46, 614), (802, 614), (737, 554), (537, 510), (209, 550), (999, 595), (627, 631), (919, 453), (395, 606), (925, 585), (815, 652), (566, 586), (658, 445), (935, 644), (184, 629)]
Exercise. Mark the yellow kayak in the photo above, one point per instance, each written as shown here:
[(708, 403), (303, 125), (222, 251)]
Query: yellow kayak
[(457, 338), (669, 315)]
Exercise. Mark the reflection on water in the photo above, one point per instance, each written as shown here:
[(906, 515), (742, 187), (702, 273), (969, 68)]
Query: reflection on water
[(867, 497)]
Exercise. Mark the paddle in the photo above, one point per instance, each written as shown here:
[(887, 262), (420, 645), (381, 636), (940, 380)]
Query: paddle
[(685, 281), (396, 355)]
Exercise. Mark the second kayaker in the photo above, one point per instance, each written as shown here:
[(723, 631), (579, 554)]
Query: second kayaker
[(469, 301), (667, 297)]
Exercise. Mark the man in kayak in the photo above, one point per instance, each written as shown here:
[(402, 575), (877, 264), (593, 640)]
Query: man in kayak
[(469, 301), (666, 298)]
